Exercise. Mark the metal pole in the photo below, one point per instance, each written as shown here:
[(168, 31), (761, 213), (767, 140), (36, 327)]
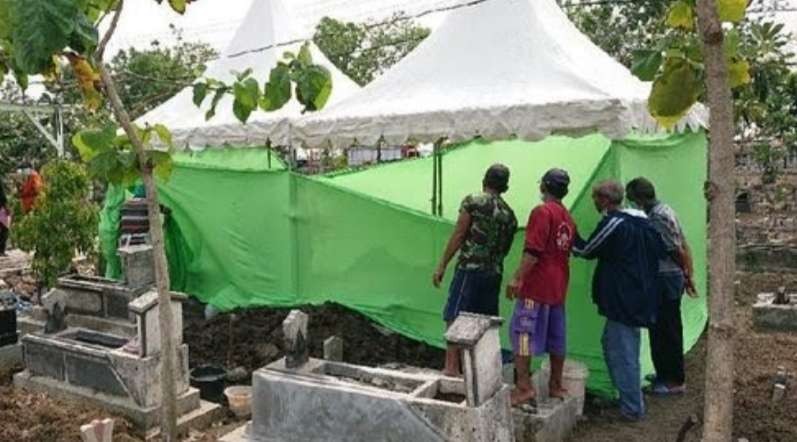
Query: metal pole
[(434, 180), (440, 178)]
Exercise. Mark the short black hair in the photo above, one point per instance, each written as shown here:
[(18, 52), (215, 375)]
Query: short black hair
[(497, 178), (556, 182), (641, 190)]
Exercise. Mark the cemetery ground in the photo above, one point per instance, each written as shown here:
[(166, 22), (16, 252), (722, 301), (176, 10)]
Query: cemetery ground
[(252, 339)]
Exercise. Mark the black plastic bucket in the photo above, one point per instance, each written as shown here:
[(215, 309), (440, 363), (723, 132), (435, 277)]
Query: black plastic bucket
[(209, 379)]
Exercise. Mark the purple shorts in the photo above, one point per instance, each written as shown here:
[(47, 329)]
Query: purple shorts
[(537, 329)]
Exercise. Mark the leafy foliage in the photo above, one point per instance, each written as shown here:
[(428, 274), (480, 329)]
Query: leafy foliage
[(362, 51), (63, 221), (644, 34), (48, 27), (313, 86), (20, 142), (145, 79), (111, 158)]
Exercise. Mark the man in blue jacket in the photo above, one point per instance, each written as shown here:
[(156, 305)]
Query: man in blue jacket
[(624, 288)]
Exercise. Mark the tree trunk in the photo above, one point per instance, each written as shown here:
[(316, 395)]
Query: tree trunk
[(166, 322), (718, 425)]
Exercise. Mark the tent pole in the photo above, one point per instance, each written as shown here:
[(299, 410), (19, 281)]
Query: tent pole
[(268, 152), (440, 178), (434, 180)]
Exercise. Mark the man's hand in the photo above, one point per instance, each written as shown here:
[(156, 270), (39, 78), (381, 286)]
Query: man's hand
[(513, 288), (690, 287), (437, 278)]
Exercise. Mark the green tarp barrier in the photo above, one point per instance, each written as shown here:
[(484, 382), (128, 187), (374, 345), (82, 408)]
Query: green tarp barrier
[(254, 235)]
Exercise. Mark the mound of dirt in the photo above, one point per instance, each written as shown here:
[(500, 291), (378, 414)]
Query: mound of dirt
[(253, 339), (30, 417)]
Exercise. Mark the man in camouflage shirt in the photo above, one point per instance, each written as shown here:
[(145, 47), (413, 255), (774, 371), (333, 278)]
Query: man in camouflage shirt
[(483, 237)]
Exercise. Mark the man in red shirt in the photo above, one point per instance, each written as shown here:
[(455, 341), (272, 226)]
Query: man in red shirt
[(540, 286)]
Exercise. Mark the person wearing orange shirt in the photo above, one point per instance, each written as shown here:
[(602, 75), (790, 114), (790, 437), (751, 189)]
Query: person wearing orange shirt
[(31, 188)]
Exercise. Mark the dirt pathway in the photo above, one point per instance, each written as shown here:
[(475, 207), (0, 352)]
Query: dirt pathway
[(757, 357)]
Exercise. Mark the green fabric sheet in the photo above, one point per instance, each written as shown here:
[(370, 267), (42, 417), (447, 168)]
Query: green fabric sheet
[(252, 235)]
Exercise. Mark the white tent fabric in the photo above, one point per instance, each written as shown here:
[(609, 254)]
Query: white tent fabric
[(267, 23), (498, 69)]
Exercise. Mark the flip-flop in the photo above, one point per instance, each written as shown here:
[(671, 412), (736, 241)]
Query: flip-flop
[(663, 390)]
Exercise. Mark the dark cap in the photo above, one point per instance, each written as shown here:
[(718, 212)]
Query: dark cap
[(497, 178), (556, 182)]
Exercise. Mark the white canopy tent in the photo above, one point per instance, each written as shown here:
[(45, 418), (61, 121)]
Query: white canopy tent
[(268, 24), (497, 69)]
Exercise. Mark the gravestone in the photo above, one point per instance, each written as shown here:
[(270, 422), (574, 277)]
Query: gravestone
[(333, 349), (294, 329), (477, 337)]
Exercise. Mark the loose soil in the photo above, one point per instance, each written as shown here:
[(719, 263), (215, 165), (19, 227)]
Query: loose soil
[(758, 355), (253, 338), (33, 417)]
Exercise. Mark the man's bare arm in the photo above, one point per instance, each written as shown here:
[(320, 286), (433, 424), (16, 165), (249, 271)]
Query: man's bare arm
[(453, 246), (527, 262)]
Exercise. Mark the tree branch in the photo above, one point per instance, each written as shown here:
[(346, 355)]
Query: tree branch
[(98, 54)]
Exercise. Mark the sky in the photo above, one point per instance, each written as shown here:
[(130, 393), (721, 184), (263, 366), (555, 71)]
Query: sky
[(215, 21)]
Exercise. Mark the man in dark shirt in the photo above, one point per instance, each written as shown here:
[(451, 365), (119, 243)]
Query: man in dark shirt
[(540, 286), (624, 287), (483, 237), (675, 275)]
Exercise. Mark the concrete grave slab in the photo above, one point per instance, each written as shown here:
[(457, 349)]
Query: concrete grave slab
[(767, 315)]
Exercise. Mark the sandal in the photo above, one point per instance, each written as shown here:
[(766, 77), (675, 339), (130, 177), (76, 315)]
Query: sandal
[(663, 390)]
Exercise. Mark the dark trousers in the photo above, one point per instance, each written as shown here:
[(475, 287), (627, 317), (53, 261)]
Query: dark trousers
[(3, 238), (667, 343)]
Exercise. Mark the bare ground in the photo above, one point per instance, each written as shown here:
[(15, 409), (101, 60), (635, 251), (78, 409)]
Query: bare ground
[(256, 340), (757, 357)]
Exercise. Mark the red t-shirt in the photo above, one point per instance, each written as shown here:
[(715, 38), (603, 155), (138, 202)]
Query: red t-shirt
[(549, 236)]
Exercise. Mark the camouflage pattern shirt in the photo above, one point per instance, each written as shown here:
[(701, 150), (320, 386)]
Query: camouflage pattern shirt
[(492, 230)]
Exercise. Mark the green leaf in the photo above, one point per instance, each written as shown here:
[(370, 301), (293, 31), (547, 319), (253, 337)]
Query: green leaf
[(178, 5), (681, 15), (739, 74), (85, 38), (240, 76), (646, 64), (731, 10), (90, 143), (247, 92), (22, 79), (94, 8), (674, 92), (164, 134), (105, 165), (39, 28), (216, 98), (278, 89), (730, 44), (313, 87), (200, 92), (163, 164), (304, 56), (247, 96), (5, 19)]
